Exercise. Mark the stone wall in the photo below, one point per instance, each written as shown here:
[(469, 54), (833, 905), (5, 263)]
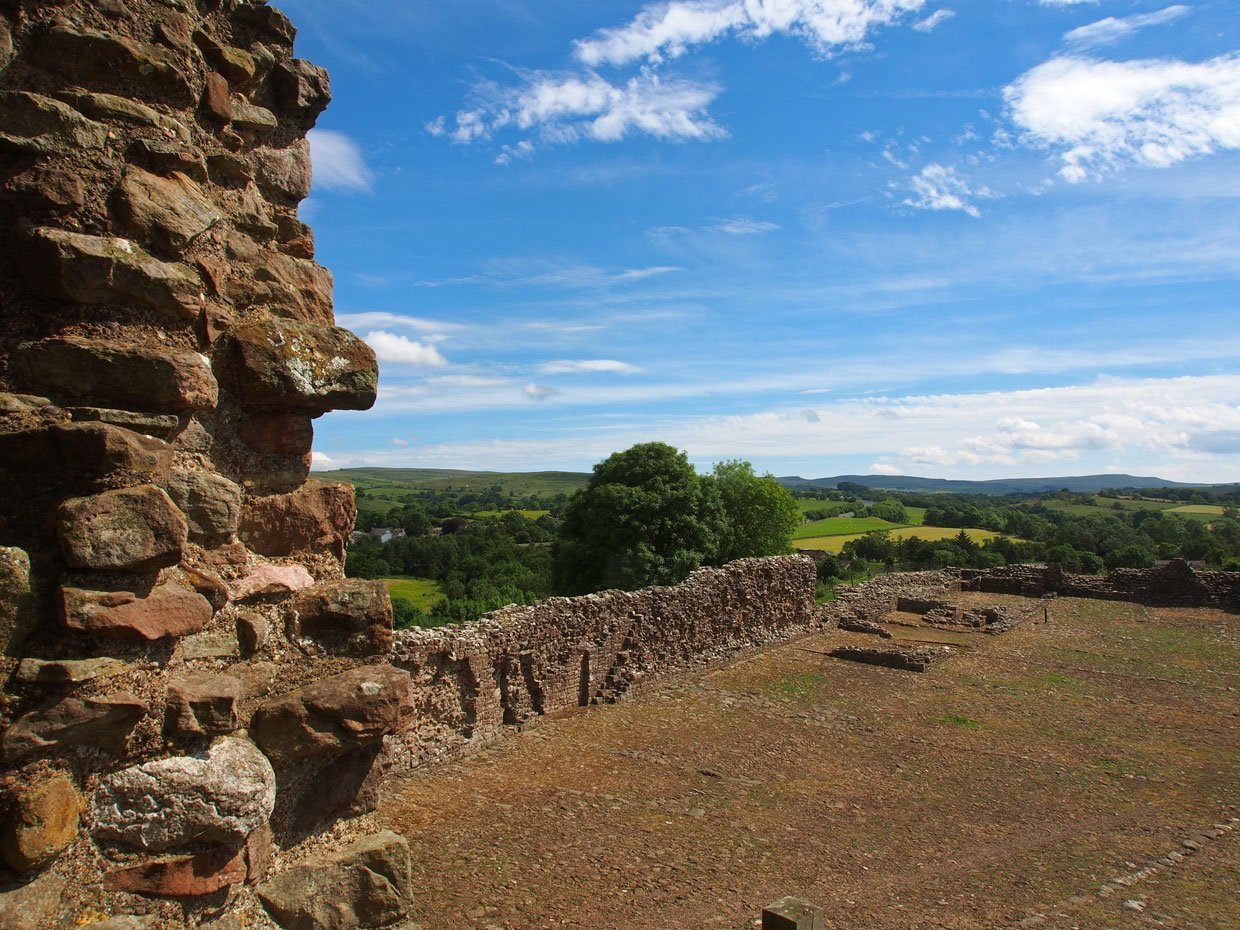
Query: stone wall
[(190, 685), (1174, 584), (521, 662)]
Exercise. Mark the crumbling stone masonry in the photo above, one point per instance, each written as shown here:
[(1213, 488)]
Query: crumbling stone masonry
[(183, 660)]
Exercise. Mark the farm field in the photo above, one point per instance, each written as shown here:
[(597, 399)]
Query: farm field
[(851, 526), (1212, 510), (531, 514), (422, 593), (928, 533)]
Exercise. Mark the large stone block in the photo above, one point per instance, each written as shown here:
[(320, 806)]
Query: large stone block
[(303, 90), (40, 125), (69, 671), (326, 719), (130, 530), (33, 906), (218, 796), (201, 704), (166, 610), (42, 823), (353, 616), (125, 110), (18, 616), (277, 433), (98, 449), (73, 368), (317, 517), (181, 876), (211, 503), (169, 212), (792, 914), (285, 172), (107, 270), (304, 366), (101, 61), (367, 884), (295, 288), (102, 722)]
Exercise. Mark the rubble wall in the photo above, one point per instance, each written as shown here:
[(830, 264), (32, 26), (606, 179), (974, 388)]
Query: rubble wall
[(522, 662)]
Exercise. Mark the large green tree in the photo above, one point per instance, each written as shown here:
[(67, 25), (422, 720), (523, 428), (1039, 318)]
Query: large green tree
[(645, 518), (760, 513)]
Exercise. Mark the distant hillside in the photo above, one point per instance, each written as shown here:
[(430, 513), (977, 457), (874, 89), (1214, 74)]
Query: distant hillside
[(1080, 484)]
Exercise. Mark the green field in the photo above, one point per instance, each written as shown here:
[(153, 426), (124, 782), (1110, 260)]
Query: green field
[(531, 514), (1196, 510), (422, 593), (855, 526), (842, 526), (928, 533), (1102, 505)]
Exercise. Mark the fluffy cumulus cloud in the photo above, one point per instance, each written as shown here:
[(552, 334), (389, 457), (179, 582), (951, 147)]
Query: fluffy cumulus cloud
[(938, 187), (1115, 29), (338, 162), (395, 349), (1101, 116), (587, 366)]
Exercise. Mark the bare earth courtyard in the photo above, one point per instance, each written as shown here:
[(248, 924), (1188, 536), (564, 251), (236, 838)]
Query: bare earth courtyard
[(1081, 773)]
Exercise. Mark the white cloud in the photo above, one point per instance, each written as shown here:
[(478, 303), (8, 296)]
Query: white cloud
[(321, 461), (569, 108), (1153, 425), (587, 366), (337, 162), (394, 349), (934, 20), (540, 392), (1102, 116), (879, 468), (397, 441), (374, 319), (1065, 2), (938, 187), (744, 226), (668, 30), (1112, 29)]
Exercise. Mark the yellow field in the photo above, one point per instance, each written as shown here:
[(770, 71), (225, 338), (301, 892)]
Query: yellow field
[(928, 533), (1213, 510)]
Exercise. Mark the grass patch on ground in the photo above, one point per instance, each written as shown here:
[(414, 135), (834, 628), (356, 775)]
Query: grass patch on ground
[(422, 593), (956, 720), (928, 533)]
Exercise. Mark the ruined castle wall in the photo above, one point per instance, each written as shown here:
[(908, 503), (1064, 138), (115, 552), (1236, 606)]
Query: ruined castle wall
[(522, 662), (190, 685), (1175, 584)]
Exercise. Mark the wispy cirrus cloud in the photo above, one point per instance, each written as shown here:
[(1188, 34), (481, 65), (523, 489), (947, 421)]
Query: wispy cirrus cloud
[(934, 20), (588, 366), (338, 162), (1114, 29), (1102, 116), (668, 30), (540, 392)]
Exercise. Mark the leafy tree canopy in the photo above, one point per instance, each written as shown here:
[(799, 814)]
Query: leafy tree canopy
[(644, 518), (760, 513)]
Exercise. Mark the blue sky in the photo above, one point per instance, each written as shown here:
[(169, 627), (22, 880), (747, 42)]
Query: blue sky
[(977, 239)]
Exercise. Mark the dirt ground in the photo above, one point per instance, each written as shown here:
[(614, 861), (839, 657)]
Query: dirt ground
[(1079, 774)]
